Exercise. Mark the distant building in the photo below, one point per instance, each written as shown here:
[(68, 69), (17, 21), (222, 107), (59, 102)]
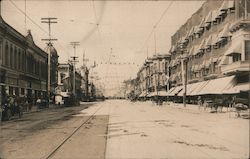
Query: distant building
[(153, 76), (214, 46), (65, 80)]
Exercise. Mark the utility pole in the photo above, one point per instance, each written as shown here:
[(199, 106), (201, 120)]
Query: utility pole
[(184, 78), (155, 41), (246, 13), (74, 61), (49, 21)]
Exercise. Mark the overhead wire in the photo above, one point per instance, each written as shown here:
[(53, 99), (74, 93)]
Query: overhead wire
[(36, 24), (156, 25)]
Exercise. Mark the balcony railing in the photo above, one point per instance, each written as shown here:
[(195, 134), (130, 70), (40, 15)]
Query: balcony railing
[(233, 68)]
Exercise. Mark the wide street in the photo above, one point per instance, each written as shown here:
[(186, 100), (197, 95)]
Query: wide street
[(123, 129)]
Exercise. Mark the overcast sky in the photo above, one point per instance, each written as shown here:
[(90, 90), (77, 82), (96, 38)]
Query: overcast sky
[(101, 25)]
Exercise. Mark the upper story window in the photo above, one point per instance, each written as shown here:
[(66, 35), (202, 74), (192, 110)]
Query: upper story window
[(6, 54)]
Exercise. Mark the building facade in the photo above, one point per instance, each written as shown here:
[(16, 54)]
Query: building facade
[(23, 65), (210, 52), (153, 76), (65, 81)]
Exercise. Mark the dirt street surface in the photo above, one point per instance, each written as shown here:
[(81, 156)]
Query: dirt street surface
[(119, 129), (38, 134)]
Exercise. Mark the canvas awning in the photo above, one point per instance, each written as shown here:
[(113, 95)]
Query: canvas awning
[(241, 87), (217, 86), (215, 15), (227, 4), (169, 91), (235, 48), (143, 94), (175, 91), (190, 88), (209, 17), (224, 33), (201, 25), (198, 87), (172, 48), (162, 93), (190, 33)]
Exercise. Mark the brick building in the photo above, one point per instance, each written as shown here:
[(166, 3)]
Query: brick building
[(214, 48), (23, 65)]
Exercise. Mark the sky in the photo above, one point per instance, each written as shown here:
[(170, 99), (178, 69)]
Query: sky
[(98, 26)]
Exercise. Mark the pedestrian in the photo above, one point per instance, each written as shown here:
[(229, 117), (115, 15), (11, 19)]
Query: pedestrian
[(200, 101)]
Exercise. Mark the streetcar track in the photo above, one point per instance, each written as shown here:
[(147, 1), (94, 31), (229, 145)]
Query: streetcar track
[(53, 152)]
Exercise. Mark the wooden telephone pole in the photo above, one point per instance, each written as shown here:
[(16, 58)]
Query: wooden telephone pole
[(74, 61), (49, 40)]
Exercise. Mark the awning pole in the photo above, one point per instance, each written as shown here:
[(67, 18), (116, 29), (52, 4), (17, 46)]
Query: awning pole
[(183, 81)]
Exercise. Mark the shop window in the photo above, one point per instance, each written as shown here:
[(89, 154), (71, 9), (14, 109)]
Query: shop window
[(236, 57), (22, 91), (247, 50)]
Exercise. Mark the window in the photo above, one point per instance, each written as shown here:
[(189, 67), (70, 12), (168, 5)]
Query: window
[(11, 56), (247, 50), (236, 57), (6, 59), (15, 61), (19, 59)]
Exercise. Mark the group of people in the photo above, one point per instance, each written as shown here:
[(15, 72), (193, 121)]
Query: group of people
[(228, 102), (15, 101)]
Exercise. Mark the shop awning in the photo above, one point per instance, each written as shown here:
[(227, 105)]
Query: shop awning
[(162, 93), (198, 87), (169, 91), (190, 88), (241, 87), (235, 48), (176, 91), (143, 94), (217, 86)]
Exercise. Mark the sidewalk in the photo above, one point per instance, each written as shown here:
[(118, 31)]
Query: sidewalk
[(195, 109), (35, 108)]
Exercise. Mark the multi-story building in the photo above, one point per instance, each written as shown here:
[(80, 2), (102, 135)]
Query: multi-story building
[(23, 65), (65, 80), (153, 76), (214, 48)]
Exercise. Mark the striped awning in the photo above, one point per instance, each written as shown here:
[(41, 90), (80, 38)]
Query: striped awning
[(224, 33), (217, 86), (240, 87), (169, 91), (198, 87), (235, 48), (209, 17), (176, 91), (227, 4)]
